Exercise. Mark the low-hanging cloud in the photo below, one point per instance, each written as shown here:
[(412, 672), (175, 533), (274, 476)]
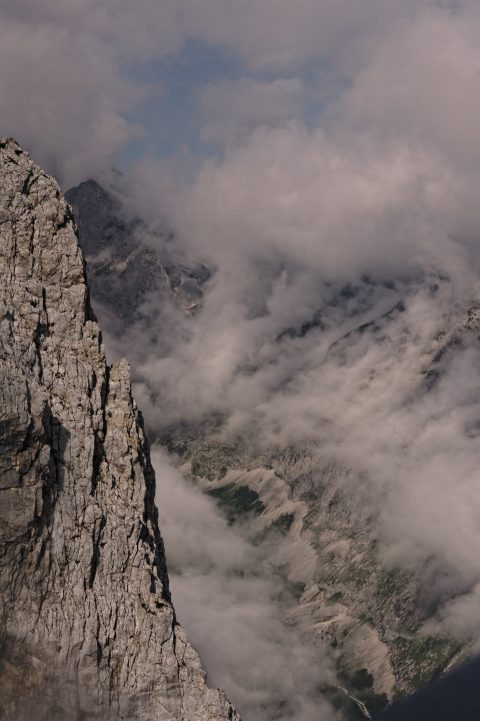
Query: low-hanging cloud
[(370, 226), (231, 110), (226, 596)]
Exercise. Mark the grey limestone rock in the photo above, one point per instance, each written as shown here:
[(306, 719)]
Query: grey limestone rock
[(87, 627)]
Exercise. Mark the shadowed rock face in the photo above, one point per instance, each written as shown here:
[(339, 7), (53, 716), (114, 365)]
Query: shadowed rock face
[(124, 271), (87, 628)]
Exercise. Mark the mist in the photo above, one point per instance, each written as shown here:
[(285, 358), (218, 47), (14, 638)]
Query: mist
[(367, 223), (228, 597)]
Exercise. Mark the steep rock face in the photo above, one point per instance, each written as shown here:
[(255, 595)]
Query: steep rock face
[(125, 271), (87, 628)]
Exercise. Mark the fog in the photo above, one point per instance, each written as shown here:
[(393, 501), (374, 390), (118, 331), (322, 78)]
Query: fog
[(228, 597), (379, 199), (398, 402)]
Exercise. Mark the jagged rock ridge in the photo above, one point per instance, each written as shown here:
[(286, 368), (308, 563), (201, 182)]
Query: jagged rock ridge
[(87, 628), (129, 261)]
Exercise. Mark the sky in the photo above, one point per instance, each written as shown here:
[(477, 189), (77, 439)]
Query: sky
[(321, 156), (94, 82)]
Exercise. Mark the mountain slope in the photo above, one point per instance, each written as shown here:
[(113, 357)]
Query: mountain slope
[(122, 265), (316, 432), (87, 627), (369, 614)]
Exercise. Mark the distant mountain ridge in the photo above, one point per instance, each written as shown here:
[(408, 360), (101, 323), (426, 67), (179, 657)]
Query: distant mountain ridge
[(124, 271)]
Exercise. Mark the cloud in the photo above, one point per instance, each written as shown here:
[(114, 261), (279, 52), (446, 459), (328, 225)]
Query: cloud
[(232, 109), (226, 596), (302, 198), (370, 226), (61, 96), (75, 74), (278, 35), (422, 84)]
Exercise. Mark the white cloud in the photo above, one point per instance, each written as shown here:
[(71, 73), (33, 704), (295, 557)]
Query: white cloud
[(227, 599), (61, 96), (290, 215), (280, 35), (65, 89), (340, 209), (232, 109), (423, 85)]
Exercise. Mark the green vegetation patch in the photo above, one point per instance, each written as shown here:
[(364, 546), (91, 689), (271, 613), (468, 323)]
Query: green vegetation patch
[(359, 683), (355, 575), (361, 680), (236, 501), (297, 589), (282, 525), (310, 519), (392, 582), (421, 658), (202, 468), (345, 706)]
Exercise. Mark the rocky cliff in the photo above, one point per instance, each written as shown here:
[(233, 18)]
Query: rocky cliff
[(87, 627)]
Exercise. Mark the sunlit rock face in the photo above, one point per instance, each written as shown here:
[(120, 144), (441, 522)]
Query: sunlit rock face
[(87, 627)]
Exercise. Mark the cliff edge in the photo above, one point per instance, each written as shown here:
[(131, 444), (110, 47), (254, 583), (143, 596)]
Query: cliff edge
[(87, 627)]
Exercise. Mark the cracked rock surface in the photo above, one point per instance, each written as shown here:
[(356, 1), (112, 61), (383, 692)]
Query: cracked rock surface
[(87, 627)]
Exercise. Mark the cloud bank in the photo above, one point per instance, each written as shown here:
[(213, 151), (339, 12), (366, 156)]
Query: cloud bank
[(77, 75), (363, 229), (226, 595)]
